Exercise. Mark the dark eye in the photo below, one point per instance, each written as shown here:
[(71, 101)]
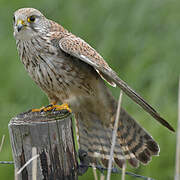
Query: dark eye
[(14, 19), (31, 19)]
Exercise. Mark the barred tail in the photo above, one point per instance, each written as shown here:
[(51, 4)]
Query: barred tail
[(136, 143), (133, 143)]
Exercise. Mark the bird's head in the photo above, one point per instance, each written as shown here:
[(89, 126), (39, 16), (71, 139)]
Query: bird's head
[(28, 23)]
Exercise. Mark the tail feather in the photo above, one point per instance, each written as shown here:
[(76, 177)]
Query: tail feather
[(136, 139), (133, 142)]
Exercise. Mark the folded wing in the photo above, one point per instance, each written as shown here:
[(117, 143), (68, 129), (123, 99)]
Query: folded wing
[(78, 48)]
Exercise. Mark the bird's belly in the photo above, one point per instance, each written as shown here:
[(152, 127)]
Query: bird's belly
[(63, 79)]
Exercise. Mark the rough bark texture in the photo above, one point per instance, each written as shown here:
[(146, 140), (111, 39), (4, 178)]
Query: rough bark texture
[(51, 133)]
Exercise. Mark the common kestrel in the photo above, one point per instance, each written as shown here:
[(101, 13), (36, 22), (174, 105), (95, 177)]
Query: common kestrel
[(70, 71)]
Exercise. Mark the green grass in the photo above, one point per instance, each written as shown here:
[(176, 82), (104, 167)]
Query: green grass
[(139, 39)]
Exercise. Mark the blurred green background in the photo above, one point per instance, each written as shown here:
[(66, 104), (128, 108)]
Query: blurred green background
[(140, 39)]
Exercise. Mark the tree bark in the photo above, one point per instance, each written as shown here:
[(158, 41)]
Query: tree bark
[(51, 134)]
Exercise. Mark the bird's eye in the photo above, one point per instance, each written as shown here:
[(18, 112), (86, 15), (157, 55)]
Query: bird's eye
[(31, 19)]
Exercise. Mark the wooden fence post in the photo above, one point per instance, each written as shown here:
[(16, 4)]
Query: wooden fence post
[(52, 136)]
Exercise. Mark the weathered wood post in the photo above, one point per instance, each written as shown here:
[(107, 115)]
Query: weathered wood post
[(51, 134)]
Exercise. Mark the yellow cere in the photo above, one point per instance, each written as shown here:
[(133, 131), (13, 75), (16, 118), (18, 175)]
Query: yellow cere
[(20, 22)]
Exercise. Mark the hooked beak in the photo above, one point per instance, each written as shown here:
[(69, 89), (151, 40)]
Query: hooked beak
[(20, 25)]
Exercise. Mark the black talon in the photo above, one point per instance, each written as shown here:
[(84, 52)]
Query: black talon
[(49, 105), (54, 109), (42, 110)]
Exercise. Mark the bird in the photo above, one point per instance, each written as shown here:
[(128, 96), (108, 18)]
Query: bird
[(73, 73)]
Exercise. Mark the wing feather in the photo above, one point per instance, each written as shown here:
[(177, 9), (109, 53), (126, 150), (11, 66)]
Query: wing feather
[(80, 49)]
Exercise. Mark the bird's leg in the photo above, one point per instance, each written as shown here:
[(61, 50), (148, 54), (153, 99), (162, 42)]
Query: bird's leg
[(53, 106), (57, 107)]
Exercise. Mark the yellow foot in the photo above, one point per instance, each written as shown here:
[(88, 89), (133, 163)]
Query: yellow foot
[(53, 107)]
